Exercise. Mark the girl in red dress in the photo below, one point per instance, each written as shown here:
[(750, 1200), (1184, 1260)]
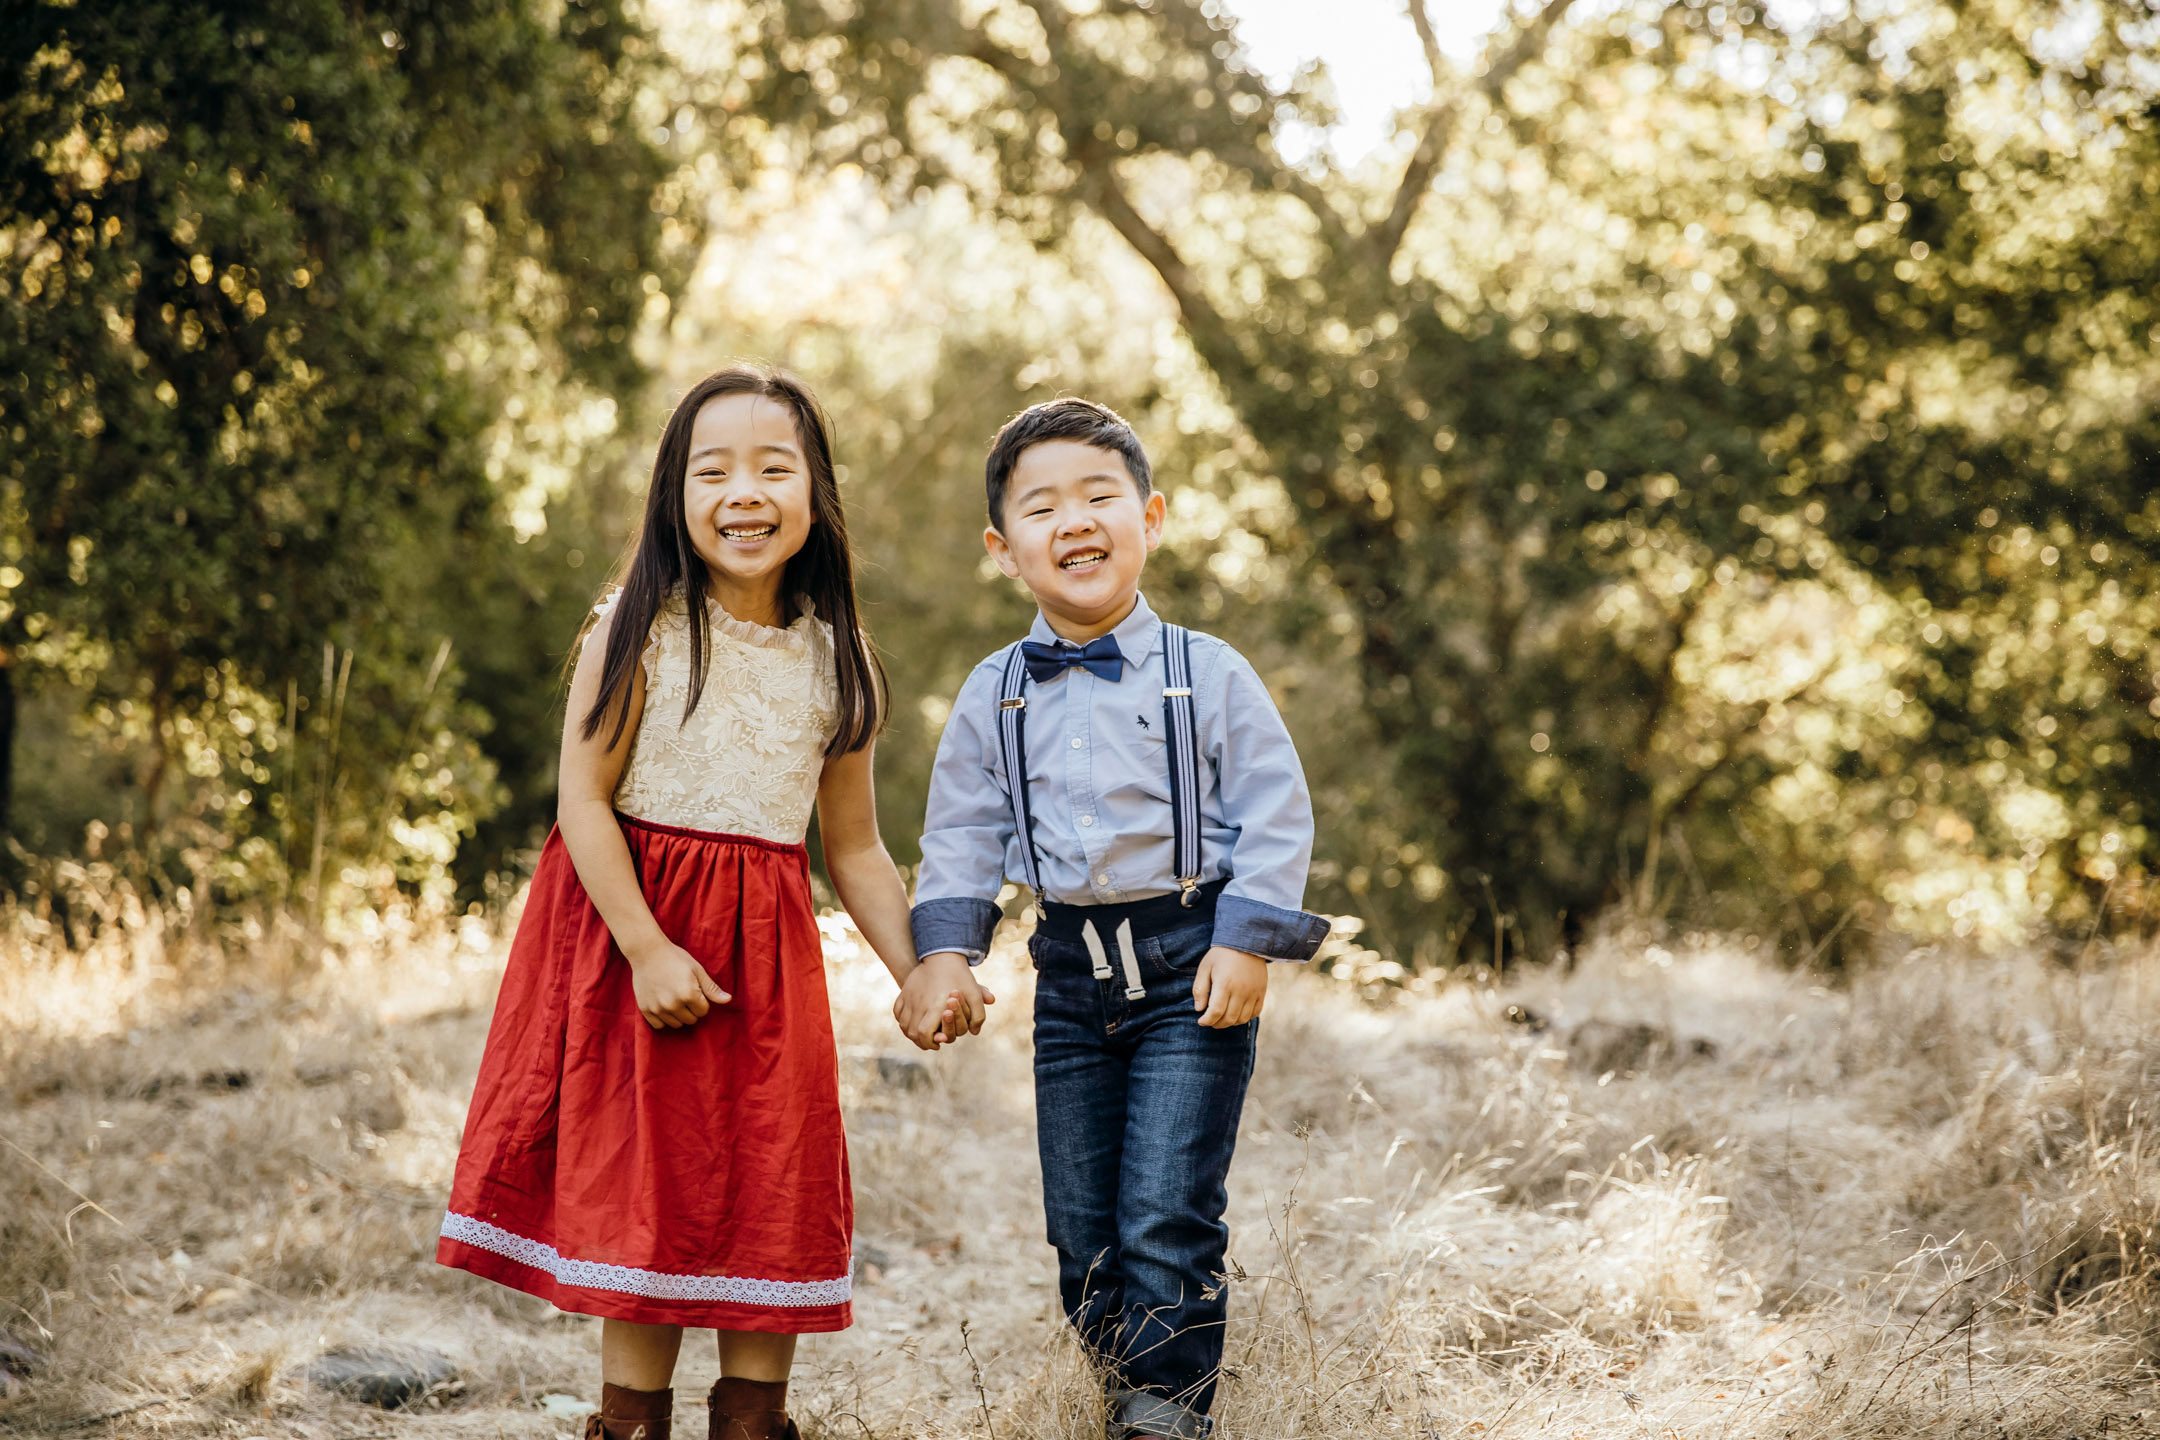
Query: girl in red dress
[(655, 1134)]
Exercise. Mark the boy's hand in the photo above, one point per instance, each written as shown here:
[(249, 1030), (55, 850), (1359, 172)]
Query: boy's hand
[(1230, 988), (672, 990), (940, 1001)]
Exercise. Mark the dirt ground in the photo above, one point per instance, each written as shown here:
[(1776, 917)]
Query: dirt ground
[(1671, 1190)]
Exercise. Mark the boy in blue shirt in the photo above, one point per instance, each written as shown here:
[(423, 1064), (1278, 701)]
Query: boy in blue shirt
[(1165, 828)]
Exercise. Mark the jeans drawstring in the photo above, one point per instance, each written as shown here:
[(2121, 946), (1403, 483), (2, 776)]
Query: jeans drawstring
[(1095, 950), (1135, 987)]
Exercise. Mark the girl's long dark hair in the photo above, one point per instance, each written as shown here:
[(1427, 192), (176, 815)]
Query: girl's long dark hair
[(661, 563)]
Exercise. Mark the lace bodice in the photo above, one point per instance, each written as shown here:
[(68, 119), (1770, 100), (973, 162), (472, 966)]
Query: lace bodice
[(748, 760)]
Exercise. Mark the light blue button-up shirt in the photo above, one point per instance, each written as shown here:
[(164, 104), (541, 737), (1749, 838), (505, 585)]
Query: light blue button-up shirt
[(1099, 792)]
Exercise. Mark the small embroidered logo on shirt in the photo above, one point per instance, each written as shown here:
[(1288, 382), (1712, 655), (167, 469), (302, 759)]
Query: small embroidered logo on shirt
[(1141, 721)]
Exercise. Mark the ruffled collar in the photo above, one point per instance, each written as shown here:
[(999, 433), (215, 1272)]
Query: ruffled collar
[(769, 637), (766, 637)]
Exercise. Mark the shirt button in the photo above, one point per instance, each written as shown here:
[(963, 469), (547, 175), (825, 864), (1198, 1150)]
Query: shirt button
[(1078, 743), (1087, 819), (1102, 879)]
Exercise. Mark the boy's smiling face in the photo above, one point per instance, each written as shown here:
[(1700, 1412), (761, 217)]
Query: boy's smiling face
[(1077, 534)]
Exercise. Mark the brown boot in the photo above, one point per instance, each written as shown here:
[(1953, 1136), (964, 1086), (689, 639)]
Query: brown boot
[(751, 1410), (627, 1414)]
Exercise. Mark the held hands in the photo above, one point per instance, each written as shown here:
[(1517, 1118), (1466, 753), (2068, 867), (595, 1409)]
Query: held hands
[(940, 1001), (672, 990), (1229, 988)]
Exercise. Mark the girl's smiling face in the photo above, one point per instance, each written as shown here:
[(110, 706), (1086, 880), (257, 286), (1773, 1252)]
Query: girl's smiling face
[(746, 500)]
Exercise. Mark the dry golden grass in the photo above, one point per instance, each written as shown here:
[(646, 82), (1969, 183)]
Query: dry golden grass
[(1672, 1192)]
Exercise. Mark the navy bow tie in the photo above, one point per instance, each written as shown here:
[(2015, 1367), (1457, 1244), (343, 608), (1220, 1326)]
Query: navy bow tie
[(1099, 656)]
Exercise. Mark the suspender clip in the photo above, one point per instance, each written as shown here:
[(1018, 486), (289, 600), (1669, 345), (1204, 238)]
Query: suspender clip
[(1188, 890), (1176, 690), (1018, 702)]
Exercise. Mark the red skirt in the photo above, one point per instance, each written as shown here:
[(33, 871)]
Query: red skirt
[(682, 1177)]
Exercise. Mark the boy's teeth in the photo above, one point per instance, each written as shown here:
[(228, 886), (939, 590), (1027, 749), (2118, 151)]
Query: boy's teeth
[(1089, 558)]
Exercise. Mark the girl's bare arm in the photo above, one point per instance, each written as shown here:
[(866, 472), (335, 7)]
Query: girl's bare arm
[(671, 988), (855, 858), (869, 883)]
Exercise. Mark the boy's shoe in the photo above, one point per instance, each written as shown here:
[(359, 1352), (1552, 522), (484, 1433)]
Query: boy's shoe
[(1138, 1413), (627, 1414), (750, 1410)]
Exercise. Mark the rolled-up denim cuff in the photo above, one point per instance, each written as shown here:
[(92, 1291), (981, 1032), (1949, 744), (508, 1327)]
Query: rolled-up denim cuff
[(962, 925), (1266, 931)]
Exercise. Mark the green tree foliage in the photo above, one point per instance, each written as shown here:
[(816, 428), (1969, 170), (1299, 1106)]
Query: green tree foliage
[(1701, 458), (1708, 439), (279, 280)]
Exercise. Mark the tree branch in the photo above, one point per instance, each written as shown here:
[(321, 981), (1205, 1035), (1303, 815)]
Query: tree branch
[(1430, 41), (1333, 233), (1248, 143), (1440, 125), (1667, 680), (1009, 66), (1211, 335), (1213, 338), (1253, 146)]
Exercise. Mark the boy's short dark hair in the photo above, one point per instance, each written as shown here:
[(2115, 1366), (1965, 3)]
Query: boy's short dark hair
[(1067, 419)]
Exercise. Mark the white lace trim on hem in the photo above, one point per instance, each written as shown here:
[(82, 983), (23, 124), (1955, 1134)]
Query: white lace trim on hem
[(652, 1284)]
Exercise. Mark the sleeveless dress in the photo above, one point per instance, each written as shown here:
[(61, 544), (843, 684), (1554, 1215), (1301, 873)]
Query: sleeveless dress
[(697, 1176)]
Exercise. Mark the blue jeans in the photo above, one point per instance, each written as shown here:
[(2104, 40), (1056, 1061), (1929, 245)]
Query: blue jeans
[(1136, 1115)]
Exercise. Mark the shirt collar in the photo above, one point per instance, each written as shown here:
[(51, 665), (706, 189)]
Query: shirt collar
[(1137, 634)]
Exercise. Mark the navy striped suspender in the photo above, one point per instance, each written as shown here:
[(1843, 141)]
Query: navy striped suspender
[(1181, 730), (1012, 737)]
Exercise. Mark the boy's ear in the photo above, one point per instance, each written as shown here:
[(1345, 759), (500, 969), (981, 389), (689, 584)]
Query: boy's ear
[(1002, 553), (1151, 518)]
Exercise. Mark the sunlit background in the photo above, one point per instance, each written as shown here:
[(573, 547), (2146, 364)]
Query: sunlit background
[(1684, 458), (1688, 473)]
